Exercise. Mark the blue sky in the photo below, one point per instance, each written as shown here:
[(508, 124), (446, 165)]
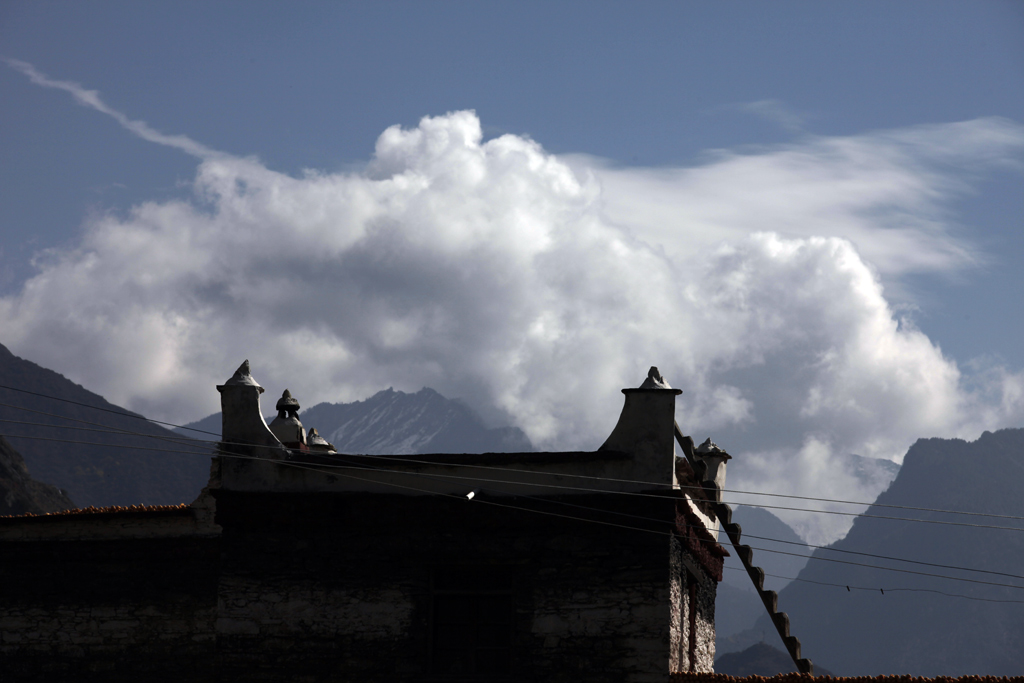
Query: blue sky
[(647, 84), (895, 128)]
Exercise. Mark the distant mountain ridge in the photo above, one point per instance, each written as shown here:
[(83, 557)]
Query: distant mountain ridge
[(918, 626), (133, 461), (94, 467), (788, 561), (21, 494), (760, 659), (875, 474), (398, 423), (737, 606), (401, 424)]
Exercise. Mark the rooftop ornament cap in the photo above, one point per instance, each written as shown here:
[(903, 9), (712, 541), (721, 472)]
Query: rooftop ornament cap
[(242, 377), (709, 447), (317, 442), (655, 382), (287, 426), (287, 402)]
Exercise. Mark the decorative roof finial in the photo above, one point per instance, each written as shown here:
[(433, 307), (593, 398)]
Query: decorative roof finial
[(287, 402), (317, 442), (709, 447), (654, 380), (243, 377), (287, 426)]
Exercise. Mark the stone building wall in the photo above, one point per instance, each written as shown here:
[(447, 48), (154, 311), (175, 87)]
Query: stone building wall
[(704, 640), (328, 586), (287, 569), (693, 591), (585, 600), (96, 609)]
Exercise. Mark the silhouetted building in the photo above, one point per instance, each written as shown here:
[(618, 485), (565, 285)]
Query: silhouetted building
[(300, 563)]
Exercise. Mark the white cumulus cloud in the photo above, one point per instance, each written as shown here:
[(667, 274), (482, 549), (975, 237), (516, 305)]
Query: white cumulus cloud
[(536, 286)]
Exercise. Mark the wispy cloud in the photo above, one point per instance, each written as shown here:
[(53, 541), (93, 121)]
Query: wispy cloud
[(889, 193), (535, 286), (775, 111), (91, 99)]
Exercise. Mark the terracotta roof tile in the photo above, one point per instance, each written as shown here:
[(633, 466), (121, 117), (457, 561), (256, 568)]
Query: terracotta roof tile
[(111, 509)]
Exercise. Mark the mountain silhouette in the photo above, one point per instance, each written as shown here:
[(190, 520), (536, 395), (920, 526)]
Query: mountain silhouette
[(737, 606), (128, 461), (21, 494), (899, 623), (398, 423), (760, 659)]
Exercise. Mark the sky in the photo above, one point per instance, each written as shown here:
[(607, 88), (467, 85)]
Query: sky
[(807, 215)]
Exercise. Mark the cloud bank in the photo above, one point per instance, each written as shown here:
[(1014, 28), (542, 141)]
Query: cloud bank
[(535, 287)]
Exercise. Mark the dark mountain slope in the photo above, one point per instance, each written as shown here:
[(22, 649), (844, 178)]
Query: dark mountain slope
[(394, 422), (915, 627), (425, 422), (759, 522), (760, 659), (92, 474), (737, 606), (736, 611), (20, 493)]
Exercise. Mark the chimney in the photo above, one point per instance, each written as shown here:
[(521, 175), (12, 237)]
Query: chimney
[(243, 428), (646, 429)]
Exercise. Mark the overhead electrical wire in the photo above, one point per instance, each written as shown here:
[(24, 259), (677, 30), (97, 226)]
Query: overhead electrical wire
[(780, 552), (106, 410), (316, 467), (116, 432), (746, 535), (185, 440), (108, 445), (311, 466), (883, 591), (476, 466), (538, 484), (928, 590), (420, 461), (581, 519), (802, 544), (655, 495), (119, 430)]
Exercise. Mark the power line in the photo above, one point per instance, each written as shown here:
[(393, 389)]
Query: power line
[(318, 468), (881, 557), (106, 410), (110, 445), (853, 502), (554, 486), (654, 495), (294, 464), (119, 430), (420, 461), (493, 503), (813, 557), (881, 590), (632, 481), (825, 559), (890, 569), (116, 432), (746, 535), (170, 436), (807, 545)]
